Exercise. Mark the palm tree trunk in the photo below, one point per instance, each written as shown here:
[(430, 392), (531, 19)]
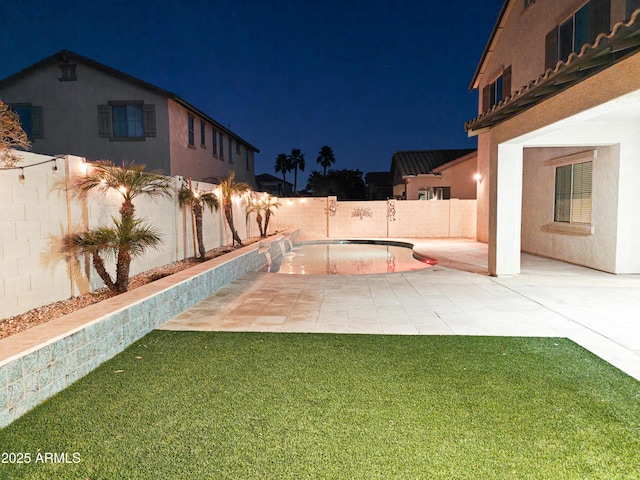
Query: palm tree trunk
[(228, 212), (267, 217), (197, 212), (98, 264), (259, 222), (123, 266)]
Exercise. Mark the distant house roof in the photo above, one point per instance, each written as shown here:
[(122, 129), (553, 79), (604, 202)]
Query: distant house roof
[(265, 178), (622, 42), (419, 162), (68, 56)]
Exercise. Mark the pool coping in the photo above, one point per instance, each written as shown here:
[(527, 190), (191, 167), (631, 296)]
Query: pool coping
[(369, 241)]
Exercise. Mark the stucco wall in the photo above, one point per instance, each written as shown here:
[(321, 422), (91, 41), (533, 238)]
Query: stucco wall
[(70, 115), (40, 210), (327, 217), (204, 162)]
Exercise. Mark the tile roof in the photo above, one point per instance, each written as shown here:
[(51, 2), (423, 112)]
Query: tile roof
[(417, 162), (622, 42)]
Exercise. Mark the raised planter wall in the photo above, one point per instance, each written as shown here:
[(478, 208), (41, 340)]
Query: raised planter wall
[(37, 363)]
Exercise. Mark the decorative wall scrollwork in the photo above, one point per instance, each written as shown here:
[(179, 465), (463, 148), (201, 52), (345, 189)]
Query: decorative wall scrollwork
[(391, 211), (362, 212)]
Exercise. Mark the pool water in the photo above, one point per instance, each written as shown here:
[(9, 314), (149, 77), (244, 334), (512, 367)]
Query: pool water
[(346, 258)]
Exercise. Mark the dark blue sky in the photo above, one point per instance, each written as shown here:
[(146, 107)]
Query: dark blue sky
[(366, 77)]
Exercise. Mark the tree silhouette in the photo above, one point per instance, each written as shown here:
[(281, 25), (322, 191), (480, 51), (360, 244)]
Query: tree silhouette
[(326, 158), (296, 157)]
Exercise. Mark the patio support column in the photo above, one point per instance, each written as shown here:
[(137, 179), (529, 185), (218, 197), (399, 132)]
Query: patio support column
[(505, 209)]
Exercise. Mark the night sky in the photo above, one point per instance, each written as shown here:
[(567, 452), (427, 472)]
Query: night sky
[(366, 77)]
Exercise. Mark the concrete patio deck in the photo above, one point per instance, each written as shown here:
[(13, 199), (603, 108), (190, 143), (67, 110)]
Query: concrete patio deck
[(599, 311)]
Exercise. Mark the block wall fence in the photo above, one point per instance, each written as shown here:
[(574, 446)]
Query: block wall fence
[(38, 210)]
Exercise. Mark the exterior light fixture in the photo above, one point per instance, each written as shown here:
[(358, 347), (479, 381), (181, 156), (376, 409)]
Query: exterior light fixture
[(477, 177), (21, 175)]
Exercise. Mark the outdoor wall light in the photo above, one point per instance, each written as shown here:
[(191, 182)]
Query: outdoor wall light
[(477, 177), (54, 167), (21, 175)]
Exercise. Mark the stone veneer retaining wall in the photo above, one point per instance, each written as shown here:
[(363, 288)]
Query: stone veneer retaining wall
[(38, 363)]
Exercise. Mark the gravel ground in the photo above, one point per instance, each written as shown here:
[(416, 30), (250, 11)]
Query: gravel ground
[(18, 323)]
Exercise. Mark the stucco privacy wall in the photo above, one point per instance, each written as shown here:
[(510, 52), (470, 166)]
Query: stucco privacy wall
[(327, 217), (37, 363), (39, 210)]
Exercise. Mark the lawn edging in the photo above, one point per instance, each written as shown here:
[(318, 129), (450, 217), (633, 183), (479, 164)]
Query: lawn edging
[(42, 361)]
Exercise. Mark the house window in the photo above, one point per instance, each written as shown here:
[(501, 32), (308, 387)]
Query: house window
[(191, 127), (230, 150), (498, 90), (202, 139), (573, 193), (30, 119), (221, 148), (127, 120), (246, 157), (579, 29), (434, 193), (68, 73), (214, 142)]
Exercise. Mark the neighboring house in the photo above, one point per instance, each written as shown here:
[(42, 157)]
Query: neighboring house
[(558, 142), (378, 185), (434, 174), (69, 104), (273, 185)]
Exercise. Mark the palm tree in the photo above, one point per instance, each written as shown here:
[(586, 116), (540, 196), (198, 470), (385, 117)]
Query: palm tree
[(229, 188), (267, 204), (190, 196), (296, 157), (326, 158), (254, 205), (283, 165), (129, 237)]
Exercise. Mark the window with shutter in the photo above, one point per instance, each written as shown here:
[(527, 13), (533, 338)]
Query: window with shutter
[(581, 28), (104, 121), (498, 90), (149, 112), (191, 128), (37, 122)]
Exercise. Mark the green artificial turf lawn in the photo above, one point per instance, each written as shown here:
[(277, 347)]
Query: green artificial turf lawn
[(200, 405)]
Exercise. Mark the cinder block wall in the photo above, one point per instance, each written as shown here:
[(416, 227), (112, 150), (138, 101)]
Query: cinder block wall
[(40, 209)]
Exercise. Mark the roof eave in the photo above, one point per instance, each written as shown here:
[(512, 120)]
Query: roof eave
[(487, 48)]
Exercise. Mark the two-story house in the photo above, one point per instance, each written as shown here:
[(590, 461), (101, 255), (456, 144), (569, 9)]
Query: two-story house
[(70, 104), (558, 134)]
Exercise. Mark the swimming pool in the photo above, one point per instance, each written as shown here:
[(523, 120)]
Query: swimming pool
[(354, 257)]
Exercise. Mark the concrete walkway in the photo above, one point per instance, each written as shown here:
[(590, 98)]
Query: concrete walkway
[(599, 311)]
